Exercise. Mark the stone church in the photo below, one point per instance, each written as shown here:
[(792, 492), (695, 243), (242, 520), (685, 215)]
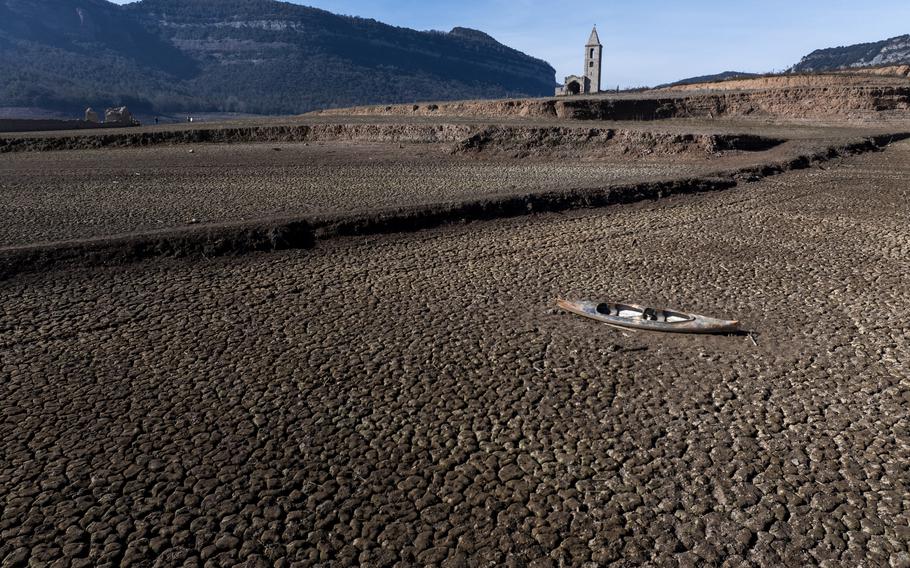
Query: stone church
[(589, 82)]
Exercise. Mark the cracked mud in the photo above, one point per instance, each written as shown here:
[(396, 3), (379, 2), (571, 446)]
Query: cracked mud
[(417, 400), (54, 196)]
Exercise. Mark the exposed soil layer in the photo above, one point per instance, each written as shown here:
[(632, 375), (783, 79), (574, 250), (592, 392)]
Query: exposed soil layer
[(884, 70), (32, 125), (54, 196), (589, 141), (857, 102), (518, 142), (417, 400), (890, 76), (426, 133), (202, 242), (782, 98), (291, 226)]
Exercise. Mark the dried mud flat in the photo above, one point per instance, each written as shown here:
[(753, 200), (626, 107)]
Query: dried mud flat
[(67, 195), (416, 400), (323, 172)]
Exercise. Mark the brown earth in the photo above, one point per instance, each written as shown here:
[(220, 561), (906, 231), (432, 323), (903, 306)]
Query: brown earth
[(32, 125), (392, 399), (797, 97), (83, 194), (417, 400), (891, 76), (355, 129), (854, 103), (365, 171), (892, 70)]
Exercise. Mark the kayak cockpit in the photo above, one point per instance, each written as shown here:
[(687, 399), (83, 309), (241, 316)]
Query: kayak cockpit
[(627, 311)]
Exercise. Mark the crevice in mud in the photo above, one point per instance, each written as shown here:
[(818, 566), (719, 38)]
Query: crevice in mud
[(407, 220), (202, 242), (302, 233)]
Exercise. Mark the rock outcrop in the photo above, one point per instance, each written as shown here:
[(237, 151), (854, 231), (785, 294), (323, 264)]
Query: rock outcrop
[(894, 51)]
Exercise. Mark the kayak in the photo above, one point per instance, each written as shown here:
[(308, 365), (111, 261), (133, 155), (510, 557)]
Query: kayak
[(632, 316)]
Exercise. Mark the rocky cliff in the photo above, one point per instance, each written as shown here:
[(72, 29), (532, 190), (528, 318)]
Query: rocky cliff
[(894, 51)]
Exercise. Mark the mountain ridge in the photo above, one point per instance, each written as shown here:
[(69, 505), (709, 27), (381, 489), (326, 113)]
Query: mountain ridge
[(217, 55), (892, 51)]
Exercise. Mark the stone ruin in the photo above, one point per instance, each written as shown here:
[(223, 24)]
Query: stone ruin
[(589, 81), (119, 115)]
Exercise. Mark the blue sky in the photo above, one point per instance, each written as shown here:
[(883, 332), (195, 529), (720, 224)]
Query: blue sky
[(656, 41)]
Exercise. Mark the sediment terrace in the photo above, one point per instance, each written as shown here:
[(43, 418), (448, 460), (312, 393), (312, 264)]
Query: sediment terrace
[(424, 130), (167, 193), (886, 76), (861, 102)]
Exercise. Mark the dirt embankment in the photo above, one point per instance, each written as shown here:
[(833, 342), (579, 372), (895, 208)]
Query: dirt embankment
[(277, 234), (787, 103), (888, 70), (32, 125), (518, 142), (278, 133), (874, 77), (210, 241)]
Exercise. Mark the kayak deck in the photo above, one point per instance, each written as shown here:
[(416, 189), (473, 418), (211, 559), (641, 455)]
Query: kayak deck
[(633, 316)]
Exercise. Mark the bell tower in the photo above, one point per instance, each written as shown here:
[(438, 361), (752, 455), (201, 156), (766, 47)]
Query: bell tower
[(593, 60)]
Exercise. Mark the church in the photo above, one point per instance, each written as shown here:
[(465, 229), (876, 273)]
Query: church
[(589, 82)]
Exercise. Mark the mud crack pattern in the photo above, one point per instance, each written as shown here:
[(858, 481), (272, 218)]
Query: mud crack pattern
[(416, 400)]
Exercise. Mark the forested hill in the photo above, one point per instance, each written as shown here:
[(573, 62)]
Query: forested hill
[(257, 56)]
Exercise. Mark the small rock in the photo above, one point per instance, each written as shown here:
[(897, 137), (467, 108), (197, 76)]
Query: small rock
[(227, 542), (510, 472), (158, 544), (16, 558), (71, 549), (899, 560), (433, 555), (457, 561)]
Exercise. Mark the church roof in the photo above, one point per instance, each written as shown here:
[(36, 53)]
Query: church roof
[(594, 39)]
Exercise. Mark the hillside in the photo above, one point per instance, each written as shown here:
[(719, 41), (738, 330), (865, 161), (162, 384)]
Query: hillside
[(724, 76), (257, 56), (894, 51)]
